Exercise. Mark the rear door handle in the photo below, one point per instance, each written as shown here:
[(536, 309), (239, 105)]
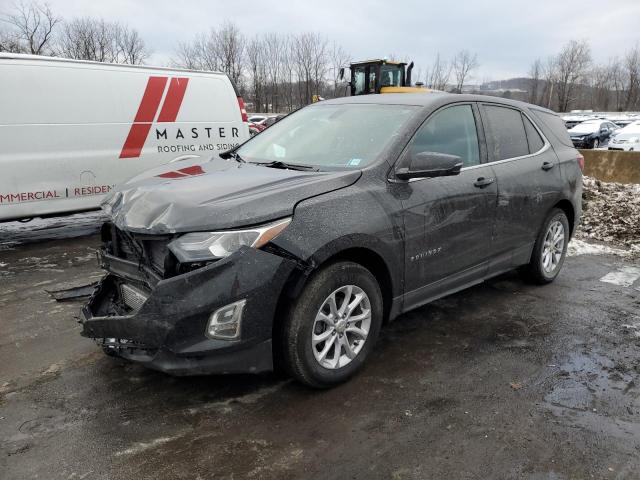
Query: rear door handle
[(548, 165), (483, 182)]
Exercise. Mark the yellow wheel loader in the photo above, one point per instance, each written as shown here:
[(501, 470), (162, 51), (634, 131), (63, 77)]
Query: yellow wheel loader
[(381, 76)]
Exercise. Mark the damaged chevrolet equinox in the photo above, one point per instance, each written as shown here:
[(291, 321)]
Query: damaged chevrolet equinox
[(293, 249)]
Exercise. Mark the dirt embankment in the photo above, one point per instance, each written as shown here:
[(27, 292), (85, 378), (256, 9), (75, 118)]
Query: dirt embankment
[(611, 213)]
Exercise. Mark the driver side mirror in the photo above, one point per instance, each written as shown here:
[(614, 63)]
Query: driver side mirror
[(430, 164)]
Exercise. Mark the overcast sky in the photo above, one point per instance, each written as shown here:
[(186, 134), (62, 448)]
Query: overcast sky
[(507, 35)]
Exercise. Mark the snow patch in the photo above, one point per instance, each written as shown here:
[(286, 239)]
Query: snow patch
[(580, 247), (625, 276), (142, 446)]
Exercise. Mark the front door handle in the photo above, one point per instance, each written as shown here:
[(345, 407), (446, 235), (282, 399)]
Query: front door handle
[(548, 165), (483, 182)]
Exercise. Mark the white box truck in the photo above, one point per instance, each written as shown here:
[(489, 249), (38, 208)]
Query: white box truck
[(71, 130)]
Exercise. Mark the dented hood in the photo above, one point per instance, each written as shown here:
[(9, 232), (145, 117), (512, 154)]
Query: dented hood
[(214, 195)]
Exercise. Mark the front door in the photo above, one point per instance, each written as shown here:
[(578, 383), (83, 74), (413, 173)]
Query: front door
[(448, 220)]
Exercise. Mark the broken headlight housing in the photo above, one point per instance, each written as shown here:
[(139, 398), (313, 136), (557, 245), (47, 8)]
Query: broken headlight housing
[(203, 246)]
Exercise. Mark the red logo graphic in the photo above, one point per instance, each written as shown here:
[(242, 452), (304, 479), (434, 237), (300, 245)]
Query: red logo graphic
[(183, 172), (149, 107)]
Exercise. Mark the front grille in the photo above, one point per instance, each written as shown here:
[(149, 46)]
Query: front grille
[(148, 250), (132, 297), (156, 251)]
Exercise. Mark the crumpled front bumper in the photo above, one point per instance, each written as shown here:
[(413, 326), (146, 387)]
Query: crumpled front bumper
[(167, 332)]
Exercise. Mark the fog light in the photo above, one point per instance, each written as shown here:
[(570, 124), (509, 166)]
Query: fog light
[(224, 323)]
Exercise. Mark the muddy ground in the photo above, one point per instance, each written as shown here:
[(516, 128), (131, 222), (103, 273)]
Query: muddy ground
[(504, 380)]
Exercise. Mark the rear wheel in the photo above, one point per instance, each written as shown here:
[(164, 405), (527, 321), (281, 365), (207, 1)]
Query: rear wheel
[(333, 325), (549, 250)]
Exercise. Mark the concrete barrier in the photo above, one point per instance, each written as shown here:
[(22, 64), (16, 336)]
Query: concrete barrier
[(612, 165)]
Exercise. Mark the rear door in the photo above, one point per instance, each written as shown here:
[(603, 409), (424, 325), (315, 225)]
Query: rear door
[(529, 182), (448, 220)]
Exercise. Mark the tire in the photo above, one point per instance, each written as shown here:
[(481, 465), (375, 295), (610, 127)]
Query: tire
[(596, 143), (537, 270), (310, 314)]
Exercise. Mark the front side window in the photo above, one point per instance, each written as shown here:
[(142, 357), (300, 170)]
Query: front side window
[(451, 131), (505, 132), (330, 137)]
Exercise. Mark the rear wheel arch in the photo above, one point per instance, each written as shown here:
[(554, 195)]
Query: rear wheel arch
[(567, 207)]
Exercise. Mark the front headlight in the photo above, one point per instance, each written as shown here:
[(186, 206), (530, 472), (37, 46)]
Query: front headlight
[(202, 246)]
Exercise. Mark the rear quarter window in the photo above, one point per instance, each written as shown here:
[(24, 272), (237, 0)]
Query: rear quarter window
[(535, 140), (554, 124)]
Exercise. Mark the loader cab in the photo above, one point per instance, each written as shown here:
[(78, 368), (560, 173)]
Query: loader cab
[(371, 76)]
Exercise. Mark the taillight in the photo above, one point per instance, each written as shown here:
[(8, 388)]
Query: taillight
[(580, 159), (243, 111)]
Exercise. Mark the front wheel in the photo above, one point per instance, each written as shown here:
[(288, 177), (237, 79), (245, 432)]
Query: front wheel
[(596, 143), (549, 250), (333, 325)]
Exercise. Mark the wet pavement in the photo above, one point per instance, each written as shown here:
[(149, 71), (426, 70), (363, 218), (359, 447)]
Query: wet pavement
[(505, 380)]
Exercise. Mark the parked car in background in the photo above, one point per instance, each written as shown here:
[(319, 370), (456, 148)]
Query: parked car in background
[(295, 247), (274, 119), (592, 133), (626, 139), (255, 128), (70, 130), (257, 119)]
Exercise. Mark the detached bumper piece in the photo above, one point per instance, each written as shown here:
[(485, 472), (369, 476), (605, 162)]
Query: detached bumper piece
[(164, 323)]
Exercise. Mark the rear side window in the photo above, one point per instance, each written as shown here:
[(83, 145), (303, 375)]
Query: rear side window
[(452, 131), (535, 140), (506, 135), (554, 123)]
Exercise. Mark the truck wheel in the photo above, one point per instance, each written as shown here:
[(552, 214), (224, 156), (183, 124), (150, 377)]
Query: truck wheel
[(549, 250), (333, 325)]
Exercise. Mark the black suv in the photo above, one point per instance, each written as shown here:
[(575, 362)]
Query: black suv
[(297, 246)]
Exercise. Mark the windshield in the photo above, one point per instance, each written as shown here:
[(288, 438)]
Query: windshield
[(329, 136)]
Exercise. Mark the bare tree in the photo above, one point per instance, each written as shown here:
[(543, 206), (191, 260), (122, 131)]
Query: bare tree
[(535, 72), (88, 39), (131, 47), (256, 72), (33, 26), (572, 64), (9, 42), (310, 54), (438, 75), (463, 64), (632, 77), (101, 41), (274, 52), (229, 48), (339, 59)]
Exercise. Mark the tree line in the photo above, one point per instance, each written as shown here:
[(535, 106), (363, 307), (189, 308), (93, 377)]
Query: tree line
[(572, 80), (281, 72), (34, 28)]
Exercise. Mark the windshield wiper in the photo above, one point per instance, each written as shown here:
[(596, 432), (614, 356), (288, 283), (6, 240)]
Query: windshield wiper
[(287, 166), (233, 154)]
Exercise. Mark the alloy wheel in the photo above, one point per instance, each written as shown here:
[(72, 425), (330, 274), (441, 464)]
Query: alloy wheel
[(553, 247), (341, 327)]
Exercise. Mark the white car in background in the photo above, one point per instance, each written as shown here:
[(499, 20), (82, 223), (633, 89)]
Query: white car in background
[(627, 139)]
